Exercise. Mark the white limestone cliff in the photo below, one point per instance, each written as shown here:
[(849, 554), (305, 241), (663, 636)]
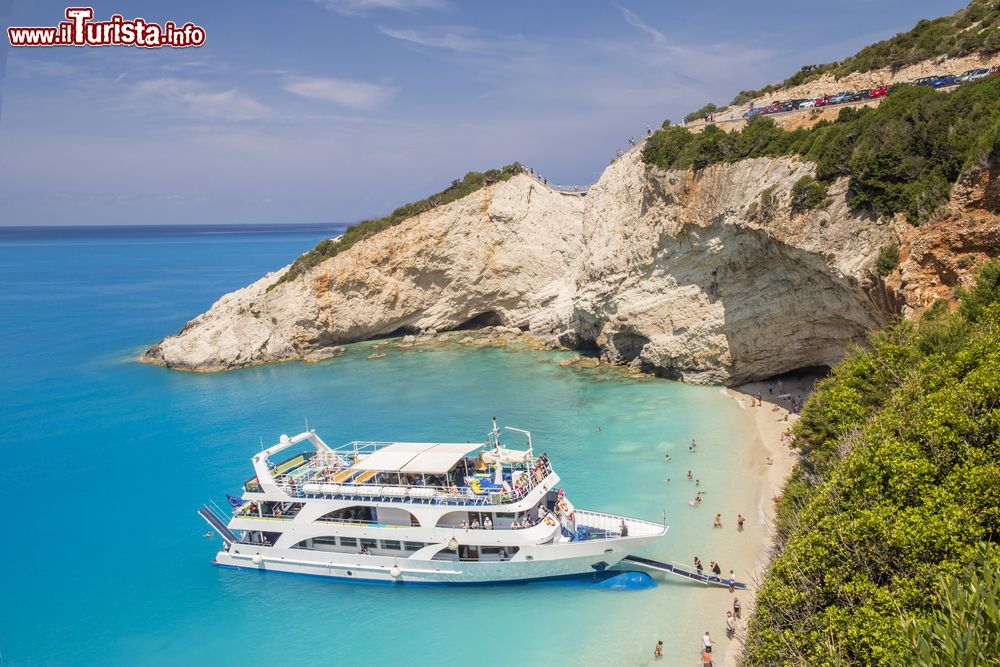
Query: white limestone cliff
[(669, 271)]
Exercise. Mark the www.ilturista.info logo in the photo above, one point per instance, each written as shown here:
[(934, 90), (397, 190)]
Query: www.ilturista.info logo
[(80, 30)]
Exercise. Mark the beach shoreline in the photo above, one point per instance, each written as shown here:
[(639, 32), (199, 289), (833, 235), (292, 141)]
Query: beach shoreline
[(770, 420)]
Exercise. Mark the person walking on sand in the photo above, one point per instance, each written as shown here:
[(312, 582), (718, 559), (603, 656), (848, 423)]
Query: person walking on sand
[(698, 565), (706, 658), (706, 642), (732, 581), (739, 522), (730, 625), (737, 607), (658, 651), (716, 570), (718, 521)]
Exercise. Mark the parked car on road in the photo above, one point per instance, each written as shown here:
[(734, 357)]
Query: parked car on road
[(808, 104), (945, 81), (878, 92), (974, 74), (841, 97), (926, 80)]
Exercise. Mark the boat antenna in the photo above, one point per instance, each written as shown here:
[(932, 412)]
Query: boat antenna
[(495, 433), (307, 424), (261, 443)]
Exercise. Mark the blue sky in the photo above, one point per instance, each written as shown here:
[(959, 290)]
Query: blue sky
[(335, 110)]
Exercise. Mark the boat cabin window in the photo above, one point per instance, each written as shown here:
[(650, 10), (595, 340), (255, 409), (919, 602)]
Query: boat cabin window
[(349, 542), (367, 543), (390, 545), (413, 546)]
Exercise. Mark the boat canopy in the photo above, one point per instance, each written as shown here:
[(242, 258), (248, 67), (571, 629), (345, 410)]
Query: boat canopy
[(416, 457)]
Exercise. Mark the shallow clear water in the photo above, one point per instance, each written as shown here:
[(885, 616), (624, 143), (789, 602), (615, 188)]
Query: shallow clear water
[(105, 460)]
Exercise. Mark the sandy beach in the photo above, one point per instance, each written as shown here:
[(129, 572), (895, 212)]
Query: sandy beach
[(772, 460)]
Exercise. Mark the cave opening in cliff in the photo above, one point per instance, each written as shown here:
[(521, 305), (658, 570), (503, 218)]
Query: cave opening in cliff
[(488, 319)]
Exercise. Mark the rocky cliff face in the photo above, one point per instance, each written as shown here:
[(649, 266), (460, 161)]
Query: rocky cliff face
[(674, 272)]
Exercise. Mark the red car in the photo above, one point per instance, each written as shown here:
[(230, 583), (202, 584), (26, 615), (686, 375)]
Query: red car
[(878, 92)]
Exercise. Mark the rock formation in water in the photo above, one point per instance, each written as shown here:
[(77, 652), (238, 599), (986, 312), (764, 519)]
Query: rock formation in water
[(676, 272)]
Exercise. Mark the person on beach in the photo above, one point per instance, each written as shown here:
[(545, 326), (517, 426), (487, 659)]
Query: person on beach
[(732, 581), (730, 625), (697, 482), (706, 658), (697, 565), (667, 457), (690, 476), (770, 461), (737, 607), (739, 522), (658, 651), (706, 641), (718, 521), (716, 570)]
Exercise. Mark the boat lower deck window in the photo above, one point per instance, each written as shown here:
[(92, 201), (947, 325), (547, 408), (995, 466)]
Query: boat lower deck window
[(325, 540), (391, 545), (349, 542), (413, 546), (367, 543)]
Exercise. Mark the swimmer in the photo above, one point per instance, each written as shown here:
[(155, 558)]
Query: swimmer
[(690, 476), (667, 457)]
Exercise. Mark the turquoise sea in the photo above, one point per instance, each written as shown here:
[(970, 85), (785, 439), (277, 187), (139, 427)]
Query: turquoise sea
[(104, 461)]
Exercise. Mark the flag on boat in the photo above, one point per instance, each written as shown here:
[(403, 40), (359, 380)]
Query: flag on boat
[(235, 502)]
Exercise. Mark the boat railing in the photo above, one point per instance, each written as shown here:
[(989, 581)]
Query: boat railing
[(306, 486), (611, 523)]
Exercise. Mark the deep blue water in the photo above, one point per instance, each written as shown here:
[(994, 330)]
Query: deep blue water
[(103, 462)]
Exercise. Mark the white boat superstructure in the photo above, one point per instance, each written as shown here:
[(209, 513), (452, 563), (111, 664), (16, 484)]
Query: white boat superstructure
[(417, 512)]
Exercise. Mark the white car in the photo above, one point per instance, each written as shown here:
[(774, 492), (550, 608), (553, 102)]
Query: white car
[(808, 104), (975, 74)]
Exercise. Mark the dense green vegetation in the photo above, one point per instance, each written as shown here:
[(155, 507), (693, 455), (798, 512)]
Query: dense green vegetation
[(896, 491), (965, 628), (902, 156), (975, 28), (459, 188)]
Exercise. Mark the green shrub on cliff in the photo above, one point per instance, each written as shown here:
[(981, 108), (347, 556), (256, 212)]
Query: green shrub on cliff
[(703, 112), (901, 157), (809, 194), (888, 259), (459, 188), (896, 490)]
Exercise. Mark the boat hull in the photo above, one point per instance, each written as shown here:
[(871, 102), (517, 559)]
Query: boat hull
[(543, 562)]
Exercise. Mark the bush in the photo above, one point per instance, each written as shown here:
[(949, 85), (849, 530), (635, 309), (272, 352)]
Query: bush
[(809, 194), (965, 628), (769, 203), (703, 112), (459, 188), (901, 157), (741, 98), (895, 492), (888, 259)]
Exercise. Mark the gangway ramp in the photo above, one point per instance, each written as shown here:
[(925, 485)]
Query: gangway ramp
[(708, 579), (217, 524)]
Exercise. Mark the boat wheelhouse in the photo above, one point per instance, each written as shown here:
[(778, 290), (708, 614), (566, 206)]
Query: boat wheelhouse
[(417, 512)]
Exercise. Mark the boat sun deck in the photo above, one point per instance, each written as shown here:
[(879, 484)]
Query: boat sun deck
[(441, 473)]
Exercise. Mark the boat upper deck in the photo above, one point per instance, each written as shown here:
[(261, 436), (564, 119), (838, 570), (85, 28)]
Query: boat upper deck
[(443, 473)]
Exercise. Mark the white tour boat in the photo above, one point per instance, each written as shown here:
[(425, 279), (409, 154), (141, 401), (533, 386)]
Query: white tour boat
[(417, 512)]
